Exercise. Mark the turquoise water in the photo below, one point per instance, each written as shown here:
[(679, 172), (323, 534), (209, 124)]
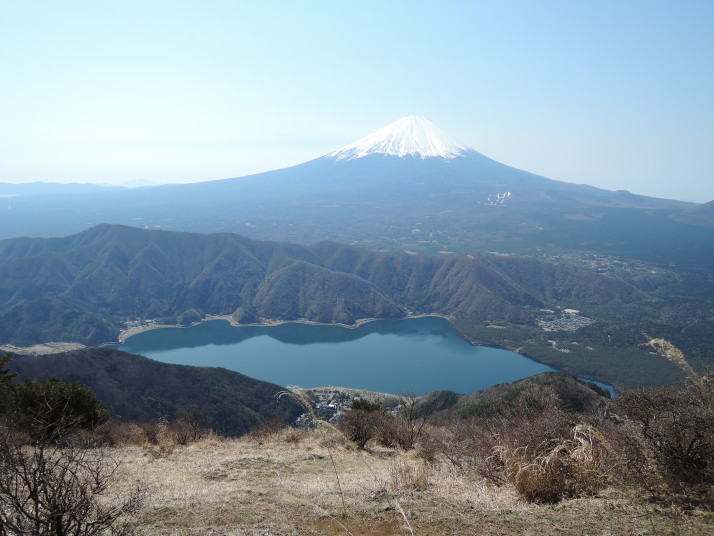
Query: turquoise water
[(415, 355)]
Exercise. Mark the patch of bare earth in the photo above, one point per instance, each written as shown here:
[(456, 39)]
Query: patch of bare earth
[(314, 483)]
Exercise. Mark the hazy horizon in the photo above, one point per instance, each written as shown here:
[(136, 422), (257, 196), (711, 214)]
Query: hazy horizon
[(613, 95)]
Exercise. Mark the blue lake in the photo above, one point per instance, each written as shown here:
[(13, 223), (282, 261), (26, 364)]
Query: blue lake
[(414, 355)]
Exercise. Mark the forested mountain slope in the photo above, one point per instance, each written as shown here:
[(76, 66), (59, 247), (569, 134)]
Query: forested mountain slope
[(86, 287), (140, 389)]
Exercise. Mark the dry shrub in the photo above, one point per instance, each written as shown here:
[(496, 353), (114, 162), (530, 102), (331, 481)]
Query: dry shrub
[(360, 425), (157, 434), (571, 468), (273, 431), (183, 432), (117, 433), (387, 431), (174, 434), (469, 444), (670, 443), (669, 436), (331, 438), (62, 487), (187, 428), (394, 431), (405, 476), (179, 433), (403, 427), (293, 435), (153, 431), (531, 443), (266, 429), (428, 447)]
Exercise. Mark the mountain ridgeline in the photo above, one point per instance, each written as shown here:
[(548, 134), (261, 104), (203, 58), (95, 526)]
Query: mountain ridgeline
[(406, 187), (87, 287)]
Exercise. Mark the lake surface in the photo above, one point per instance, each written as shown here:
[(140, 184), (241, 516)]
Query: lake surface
[(414, 355)]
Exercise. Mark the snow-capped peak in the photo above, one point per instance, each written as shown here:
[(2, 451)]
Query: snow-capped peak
[(409, 136)]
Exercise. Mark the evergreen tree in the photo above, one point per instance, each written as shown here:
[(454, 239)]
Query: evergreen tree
[(6, 386)]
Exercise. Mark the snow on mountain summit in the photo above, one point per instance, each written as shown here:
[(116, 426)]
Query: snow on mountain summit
[(409, 136)]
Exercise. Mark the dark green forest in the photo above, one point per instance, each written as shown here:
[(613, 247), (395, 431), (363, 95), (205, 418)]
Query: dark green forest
[(139, 389)]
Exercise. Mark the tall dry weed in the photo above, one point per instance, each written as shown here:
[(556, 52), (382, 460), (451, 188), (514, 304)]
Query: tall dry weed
[(406, 476), (324, 427), (571, 468)]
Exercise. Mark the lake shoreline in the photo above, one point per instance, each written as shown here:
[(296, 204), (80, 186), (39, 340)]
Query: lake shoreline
[(125, 334), (517, 350), (48, 348), (417, 354)]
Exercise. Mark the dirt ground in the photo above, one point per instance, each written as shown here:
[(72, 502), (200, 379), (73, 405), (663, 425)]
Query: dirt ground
[(314, 483)]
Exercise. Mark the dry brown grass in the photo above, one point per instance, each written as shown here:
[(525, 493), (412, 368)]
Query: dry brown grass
[(573, 467), (284, 484), (408, 476)]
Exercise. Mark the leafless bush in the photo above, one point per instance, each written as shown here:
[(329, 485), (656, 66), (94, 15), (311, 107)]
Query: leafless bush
[(668, 436), (532, 426), (186, 429), (360, 425), (428, 448), (404, 427), (293, 435), (387, 431), (153, 431), (266, 429), (671, 443), (120, 433), (529, 442), (332, 439), (161, 433), (52, 489), (397, 431)]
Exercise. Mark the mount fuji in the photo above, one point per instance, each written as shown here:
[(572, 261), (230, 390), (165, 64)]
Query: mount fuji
[(415, 156), (413, 135), (408, 186)]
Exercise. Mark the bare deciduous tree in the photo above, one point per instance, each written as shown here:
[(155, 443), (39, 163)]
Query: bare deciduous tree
[(53, 479), (60, 489)]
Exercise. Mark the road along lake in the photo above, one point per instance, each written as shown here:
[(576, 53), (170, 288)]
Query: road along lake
[(415, 355)]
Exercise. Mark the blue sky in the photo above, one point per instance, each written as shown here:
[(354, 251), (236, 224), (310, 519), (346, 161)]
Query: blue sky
[(616, 94)]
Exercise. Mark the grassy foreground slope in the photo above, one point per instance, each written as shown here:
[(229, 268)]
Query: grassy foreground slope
[(545, 455), (285, 484)]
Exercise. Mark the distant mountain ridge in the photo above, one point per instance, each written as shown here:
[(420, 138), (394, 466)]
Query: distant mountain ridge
[(700, 215), (9, 189), (86, 287), (406, 187)]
